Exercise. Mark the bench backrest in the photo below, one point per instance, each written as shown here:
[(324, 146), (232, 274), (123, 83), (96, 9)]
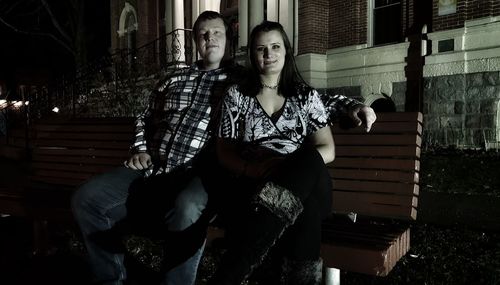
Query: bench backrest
[(376, 174), (67, 152)]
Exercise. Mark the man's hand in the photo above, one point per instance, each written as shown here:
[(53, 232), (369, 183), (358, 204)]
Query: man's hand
[(361, 114), (138, 161)]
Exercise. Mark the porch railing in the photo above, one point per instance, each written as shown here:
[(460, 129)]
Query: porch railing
[(117, 84)]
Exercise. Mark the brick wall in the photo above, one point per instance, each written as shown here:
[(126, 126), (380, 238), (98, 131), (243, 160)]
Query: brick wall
[(466, 10), (313, 26), (347, 23), (478, 9)]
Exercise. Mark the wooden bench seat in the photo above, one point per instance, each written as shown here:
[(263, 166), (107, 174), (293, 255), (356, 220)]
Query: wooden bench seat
[(375, 175)]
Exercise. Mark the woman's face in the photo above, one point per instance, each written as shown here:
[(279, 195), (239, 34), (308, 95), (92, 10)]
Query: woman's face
[(269, 52)]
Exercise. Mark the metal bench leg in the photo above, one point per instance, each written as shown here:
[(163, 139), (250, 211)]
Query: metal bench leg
[(332, 276), (40, 237)]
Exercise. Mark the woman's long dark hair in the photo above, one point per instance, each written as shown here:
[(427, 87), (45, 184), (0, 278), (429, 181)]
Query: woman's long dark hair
[(290, 79)]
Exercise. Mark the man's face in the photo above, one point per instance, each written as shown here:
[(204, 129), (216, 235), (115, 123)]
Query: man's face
[(211, 42)]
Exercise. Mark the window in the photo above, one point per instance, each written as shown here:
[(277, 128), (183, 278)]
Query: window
[(387, 22)]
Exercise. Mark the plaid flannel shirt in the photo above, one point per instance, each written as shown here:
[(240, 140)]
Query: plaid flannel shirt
[(179, 111), (337, 105)]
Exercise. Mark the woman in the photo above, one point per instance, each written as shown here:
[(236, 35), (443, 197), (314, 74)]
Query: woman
[(275, 139)]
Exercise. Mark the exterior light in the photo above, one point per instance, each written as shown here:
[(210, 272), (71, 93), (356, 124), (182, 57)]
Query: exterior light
[(55, 110), (26, 103)]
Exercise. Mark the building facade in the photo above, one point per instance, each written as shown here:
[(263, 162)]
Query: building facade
[(441, 57)]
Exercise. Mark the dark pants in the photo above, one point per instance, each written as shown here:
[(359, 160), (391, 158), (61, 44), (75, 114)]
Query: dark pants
[(306, 176)]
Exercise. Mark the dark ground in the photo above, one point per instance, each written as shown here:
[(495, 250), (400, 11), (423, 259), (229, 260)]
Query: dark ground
[(443, 250)]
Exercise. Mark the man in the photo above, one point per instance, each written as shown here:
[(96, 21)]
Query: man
[(170, 137)]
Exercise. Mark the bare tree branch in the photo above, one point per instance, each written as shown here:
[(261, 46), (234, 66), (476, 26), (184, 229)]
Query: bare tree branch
[(12, 7), (63, 44), (30, 13), (55, 22)]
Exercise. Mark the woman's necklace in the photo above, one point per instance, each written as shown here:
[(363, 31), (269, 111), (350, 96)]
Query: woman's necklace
[(274, 87)]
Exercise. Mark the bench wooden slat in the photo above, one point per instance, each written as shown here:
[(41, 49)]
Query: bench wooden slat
[(81, 152), (83, 168), (346, 198), (372, 237), (380, 210), (124, 121), (385, 128), (116, 161), (13, 206), (84, 128), (374, 175), (375, 187), (363, 204), (77, 175), (377, 151), (360, 240), (114, 144), (67, 182), (85, 136), (353, 231), (360, 139), (367, 260), (17, 141), (376, 163)]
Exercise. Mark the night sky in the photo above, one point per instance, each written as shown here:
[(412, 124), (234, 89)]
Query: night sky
[(24, 57)]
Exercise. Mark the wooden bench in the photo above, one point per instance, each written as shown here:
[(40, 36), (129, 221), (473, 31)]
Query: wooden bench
[(376, 176), (14, 168), (64, 153)]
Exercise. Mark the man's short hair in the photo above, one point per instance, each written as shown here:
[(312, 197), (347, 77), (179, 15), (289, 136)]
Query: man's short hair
[(210, 15)]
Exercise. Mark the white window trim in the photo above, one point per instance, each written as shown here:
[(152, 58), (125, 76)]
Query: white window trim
[(369, 28), (122, 30), (295, 37)]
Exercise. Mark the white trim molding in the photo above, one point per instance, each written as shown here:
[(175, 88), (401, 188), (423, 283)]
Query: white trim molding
[(369, 26), (476, 48), (373, 69), (312, 67), (128, 9)]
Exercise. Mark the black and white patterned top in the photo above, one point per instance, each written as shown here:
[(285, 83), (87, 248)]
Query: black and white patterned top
[(244, 120)]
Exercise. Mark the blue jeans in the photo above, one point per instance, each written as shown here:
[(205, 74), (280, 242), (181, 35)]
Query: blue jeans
[(100, 202)]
